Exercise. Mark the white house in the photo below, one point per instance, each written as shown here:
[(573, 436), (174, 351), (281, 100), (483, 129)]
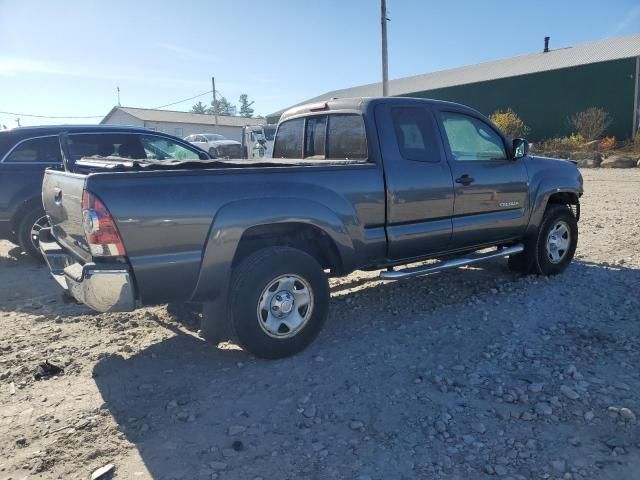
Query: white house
[(180, 124)]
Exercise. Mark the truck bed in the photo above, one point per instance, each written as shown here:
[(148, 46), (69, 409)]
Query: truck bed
[(169, 217)]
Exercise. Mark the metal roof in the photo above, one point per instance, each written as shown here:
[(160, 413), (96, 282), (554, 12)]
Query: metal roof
[(565, 57), (151, 115)]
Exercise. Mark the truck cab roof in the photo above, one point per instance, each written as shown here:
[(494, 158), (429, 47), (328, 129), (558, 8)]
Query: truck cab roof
[(361, 104)]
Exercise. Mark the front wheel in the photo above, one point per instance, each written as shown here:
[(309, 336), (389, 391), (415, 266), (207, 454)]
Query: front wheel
[(213, 152), (279, 302), (551, 250)]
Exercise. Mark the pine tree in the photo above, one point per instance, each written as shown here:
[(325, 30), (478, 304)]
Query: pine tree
[(199, 108), (245, 106)]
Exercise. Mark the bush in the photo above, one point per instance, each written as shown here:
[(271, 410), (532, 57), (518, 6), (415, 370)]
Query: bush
[(510, 123), (573, 142), (591, 123)]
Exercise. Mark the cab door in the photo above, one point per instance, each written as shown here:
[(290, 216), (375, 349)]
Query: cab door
[(491, 189), (419, 187)]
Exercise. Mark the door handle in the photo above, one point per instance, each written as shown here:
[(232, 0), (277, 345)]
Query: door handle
[(57, 196), (465, 179)]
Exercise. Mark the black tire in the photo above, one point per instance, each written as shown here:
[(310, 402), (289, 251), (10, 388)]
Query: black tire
[(536, 258), (213, 152), (24, 234), (290, 269)]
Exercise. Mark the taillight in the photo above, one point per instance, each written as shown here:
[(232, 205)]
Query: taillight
[(100, 229)]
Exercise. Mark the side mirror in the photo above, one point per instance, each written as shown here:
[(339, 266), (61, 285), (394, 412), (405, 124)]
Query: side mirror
[(520, 148)]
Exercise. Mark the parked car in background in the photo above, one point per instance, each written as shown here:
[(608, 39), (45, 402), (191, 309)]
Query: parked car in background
[(26, 152), (353, 184), (257, 141), (217, 145)]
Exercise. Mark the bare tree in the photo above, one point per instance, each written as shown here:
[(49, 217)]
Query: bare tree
[(591, 123)]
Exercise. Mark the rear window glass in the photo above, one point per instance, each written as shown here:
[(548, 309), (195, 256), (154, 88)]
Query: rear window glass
[(289, 139), (40, 150), (315, 137), (346, 138)]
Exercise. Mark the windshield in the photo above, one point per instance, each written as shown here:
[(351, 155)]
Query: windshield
[(212, 137)]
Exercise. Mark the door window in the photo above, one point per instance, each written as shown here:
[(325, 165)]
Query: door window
[(36, 150), (101, 145), (472, 139), (159, 148)]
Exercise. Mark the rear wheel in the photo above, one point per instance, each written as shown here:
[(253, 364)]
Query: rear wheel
[(29, 230), (551, 250), (278, 303)]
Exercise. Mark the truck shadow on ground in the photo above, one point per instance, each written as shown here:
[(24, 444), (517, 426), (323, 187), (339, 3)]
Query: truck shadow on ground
[(192, 409)]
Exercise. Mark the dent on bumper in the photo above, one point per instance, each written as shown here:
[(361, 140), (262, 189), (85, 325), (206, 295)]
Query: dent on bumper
[(102, 288)]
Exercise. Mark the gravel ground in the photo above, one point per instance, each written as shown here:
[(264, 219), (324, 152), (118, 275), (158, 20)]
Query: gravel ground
[(469, 374)]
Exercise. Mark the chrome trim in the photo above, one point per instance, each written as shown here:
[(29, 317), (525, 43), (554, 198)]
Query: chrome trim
[(449, 264)]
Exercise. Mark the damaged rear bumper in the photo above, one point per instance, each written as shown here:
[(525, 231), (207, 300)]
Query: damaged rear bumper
[(102, 287)]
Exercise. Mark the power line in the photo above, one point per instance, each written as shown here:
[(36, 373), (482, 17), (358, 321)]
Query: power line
[(96, 116), (185, 100)]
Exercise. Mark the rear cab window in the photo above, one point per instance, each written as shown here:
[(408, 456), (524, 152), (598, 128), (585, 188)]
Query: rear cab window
[(416, 134), (333, 136)]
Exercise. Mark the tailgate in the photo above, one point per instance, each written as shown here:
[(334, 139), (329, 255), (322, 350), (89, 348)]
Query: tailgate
[(62, 200)]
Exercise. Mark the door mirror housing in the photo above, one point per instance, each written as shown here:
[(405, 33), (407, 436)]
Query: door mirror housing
[(520, 148)]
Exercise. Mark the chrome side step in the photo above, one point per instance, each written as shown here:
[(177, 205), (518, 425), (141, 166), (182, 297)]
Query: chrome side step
[(449, 264)]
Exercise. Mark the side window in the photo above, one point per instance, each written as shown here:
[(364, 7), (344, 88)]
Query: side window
[(100, 145), (314, 138), (40, 150), (159, 148), (346, 138), (472, 139), (415, 134), (288, 143)]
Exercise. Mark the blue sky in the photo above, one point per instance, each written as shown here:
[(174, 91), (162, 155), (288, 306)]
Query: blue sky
[(66, 58)]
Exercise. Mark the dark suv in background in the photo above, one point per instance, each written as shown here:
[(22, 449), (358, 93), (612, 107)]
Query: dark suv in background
[(26, 152)]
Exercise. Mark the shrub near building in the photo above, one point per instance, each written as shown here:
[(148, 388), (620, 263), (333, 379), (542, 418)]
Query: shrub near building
[(510, 123)]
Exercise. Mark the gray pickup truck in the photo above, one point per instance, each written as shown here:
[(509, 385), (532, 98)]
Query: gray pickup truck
[(354, 184)]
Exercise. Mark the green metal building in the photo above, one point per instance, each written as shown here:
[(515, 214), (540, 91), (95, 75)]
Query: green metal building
[(544, 88)]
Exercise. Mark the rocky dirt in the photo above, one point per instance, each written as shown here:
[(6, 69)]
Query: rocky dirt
[(470, 374)]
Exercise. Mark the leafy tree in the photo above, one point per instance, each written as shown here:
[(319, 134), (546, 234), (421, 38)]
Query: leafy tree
[(223, 107), (245, 106), (510, 123), (591, 123), (199, 108)]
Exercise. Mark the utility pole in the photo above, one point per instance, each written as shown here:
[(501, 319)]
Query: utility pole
[(385, 60), (118, 90), (214, 104)]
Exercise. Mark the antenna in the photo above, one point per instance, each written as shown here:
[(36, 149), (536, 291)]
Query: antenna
[(118, 90)]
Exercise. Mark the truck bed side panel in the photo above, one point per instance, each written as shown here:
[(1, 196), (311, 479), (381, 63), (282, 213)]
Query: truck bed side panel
[(166, 219)]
